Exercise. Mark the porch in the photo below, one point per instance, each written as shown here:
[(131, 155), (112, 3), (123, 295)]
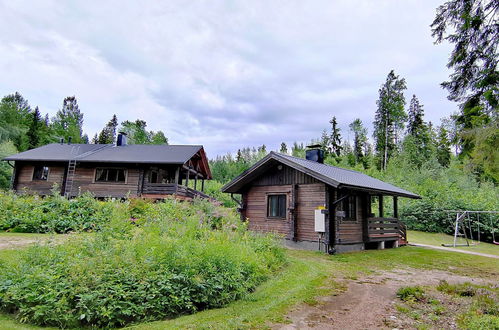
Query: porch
[(381, 228), (161, 190)]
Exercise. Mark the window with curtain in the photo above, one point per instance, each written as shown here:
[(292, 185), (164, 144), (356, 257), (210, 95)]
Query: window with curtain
[(276, 206), (110, 175)]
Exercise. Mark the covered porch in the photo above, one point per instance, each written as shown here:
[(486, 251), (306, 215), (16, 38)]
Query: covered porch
[(382, 226)]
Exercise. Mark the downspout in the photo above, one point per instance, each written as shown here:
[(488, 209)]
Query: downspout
[(13, 177)]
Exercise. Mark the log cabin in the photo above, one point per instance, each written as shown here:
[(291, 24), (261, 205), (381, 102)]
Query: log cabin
[(318, 206), (112, 170)]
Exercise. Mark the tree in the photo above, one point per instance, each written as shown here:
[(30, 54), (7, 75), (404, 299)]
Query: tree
[(95, 139), (390, 117), (298, 150), (335, 138), (360, 140), (284, 148), (415, 122), (35, 129), (443, 146), (158, 138), (15, 118), (418, 142), (474, 30), (68, 121), (472, 26), (108, 133)]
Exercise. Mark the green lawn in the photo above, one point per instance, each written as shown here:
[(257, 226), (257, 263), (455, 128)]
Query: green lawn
[(308, 275), (438, 239)]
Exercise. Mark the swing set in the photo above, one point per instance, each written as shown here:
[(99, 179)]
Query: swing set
[(464, 224)]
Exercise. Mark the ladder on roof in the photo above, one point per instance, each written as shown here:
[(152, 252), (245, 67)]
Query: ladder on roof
[(69, 178)]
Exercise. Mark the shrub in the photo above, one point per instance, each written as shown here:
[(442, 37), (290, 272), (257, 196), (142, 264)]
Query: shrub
[(184, 257), (33, 214), (411, 293)]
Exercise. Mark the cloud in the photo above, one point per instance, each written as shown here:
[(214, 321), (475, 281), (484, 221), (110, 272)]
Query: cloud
[(222, 73)]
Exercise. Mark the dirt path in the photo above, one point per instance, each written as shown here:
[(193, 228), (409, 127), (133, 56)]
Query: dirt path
[(367, 303), (454, 250), (17, 241)]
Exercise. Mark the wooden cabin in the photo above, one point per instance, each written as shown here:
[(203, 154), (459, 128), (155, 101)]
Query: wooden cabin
[(318, 206), (112, 170)]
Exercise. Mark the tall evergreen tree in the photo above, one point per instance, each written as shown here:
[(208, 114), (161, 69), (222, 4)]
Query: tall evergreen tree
[(360, 140), (472, 26), (68, 121), (15, 118), (35, 129), (335, 138), (108, 133), (443, 146), (390, 117), (415, 122)]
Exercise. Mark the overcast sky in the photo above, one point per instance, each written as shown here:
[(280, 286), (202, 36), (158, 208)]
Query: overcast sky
[(225, 74)]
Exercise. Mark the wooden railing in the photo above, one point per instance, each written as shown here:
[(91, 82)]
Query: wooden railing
[(170, 189), (379, 229)]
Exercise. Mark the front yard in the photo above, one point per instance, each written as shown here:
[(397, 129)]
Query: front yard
[(316, 290)]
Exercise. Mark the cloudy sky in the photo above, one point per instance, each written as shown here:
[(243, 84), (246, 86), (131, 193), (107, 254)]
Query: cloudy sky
[(225, 74)]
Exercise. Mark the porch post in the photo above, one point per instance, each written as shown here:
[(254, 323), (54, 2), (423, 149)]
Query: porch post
[(177, 176), (395, 207), (380, 199), (202, 185), (187, 178), (196, 182)]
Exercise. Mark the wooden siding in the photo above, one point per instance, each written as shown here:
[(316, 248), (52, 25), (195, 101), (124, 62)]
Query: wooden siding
[(26, 183), (285, 176), (352, 231), (308, 198), (84, 181)]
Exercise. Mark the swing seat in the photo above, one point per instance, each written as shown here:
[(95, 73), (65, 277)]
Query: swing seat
[(496, 243)]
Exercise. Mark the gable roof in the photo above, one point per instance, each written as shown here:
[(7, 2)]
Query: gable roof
[(331, 175), (110, 153)]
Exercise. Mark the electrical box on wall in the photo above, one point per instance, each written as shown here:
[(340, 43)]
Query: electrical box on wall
[(320, 220)]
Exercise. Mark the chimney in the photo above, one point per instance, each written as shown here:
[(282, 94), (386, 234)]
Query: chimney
[(121, 139), (61, 140), (69, 139), (315, 153)]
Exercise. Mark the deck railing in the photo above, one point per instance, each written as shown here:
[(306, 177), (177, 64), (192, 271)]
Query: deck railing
[(379, 229), (170, 189)]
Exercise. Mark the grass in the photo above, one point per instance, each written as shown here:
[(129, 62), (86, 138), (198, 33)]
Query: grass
[(437, 239), (308, 275)]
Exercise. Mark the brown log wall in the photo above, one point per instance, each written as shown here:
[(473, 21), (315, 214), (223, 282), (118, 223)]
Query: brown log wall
[(309, 197), (26, 183), (84, 180)]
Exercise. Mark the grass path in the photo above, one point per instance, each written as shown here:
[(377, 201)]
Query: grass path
[(437, 239)]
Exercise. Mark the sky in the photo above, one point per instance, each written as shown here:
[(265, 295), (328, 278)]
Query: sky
[(224, 74)]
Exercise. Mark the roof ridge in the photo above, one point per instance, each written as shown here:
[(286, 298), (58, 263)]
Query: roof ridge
[(314, 162)]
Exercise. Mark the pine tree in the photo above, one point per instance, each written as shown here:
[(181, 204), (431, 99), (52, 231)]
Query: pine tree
[(95, 139), (443, 147), (35, 129), (390, 117), (108, 133), (415, 122), (360, 140), (335, 138), (68, 121), (284, 148)]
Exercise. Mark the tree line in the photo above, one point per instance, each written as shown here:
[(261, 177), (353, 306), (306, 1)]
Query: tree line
[(23, 127)]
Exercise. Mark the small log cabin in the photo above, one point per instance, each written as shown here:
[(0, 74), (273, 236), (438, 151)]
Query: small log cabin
[(112, 170), (317, 206)]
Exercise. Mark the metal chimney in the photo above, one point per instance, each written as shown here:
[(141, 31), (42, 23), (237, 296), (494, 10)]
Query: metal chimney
[(121, 139), (315, 153)]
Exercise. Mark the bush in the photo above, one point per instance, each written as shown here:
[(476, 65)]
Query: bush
[(184, 257), (411, 293), (33, 214)]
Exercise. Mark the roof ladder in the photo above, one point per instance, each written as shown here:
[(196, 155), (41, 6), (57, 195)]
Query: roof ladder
[(69, 178)]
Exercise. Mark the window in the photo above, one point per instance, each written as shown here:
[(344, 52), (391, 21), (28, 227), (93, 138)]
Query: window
[(276, 206), (41, 173), (350, 208), (110, 175)]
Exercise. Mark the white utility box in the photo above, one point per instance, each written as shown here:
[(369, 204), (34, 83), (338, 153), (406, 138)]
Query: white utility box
[(320, 221)]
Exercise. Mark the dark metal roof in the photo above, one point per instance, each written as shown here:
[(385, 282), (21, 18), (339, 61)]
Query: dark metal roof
[(109, 153), (331, 175)]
